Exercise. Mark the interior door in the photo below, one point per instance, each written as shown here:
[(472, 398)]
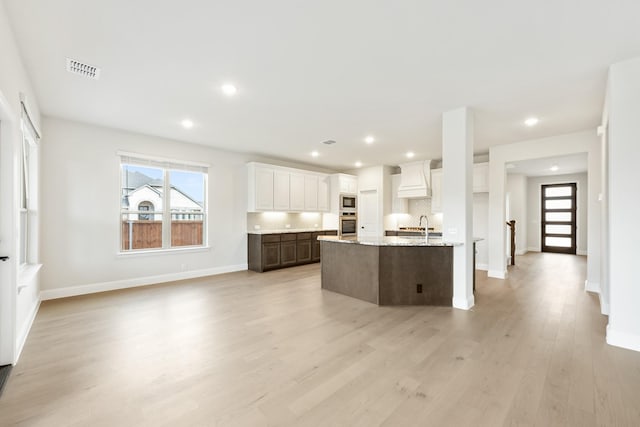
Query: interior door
[(559, 218), (368, 213)]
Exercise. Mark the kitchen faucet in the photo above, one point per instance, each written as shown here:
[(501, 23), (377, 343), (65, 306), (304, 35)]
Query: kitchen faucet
[(426, 227)]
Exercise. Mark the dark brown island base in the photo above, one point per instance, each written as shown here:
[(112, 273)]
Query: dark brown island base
[(389, 270)]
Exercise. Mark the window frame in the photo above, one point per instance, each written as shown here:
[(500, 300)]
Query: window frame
[(27, 240), (166, 165)]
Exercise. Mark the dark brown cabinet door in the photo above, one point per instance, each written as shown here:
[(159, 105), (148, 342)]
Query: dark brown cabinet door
[(270, 255), (288, 253), (303, 251), (315, 247)]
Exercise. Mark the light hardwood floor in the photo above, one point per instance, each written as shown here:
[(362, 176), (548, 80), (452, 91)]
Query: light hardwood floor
[(274, 349)]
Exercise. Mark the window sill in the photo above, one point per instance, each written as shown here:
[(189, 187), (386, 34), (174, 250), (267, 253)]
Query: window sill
[(26, 273), (153, 252)]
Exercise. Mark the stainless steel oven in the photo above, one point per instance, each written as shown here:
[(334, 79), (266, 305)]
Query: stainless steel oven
[(348, 225), (348, 203)]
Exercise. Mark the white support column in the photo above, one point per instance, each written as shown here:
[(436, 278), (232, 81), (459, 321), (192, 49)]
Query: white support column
[(457, 200), (623, 204)]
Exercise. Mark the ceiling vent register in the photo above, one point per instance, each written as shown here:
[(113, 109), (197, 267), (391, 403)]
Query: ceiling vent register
[(82, 69)]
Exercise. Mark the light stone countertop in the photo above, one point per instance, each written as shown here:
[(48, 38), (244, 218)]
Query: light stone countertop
[(392, 241), (289, 230)]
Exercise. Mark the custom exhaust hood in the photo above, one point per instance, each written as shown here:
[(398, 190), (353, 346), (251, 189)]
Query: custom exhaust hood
[(415, 180)]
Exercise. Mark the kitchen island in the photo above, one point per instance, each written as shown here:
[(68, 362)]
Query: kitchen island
[(389, 270)]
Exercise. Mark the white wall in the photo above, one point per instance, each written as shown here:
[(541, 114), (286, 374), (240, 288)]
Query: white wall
[(81, 201), (624, 204), (16, 310), (534, 209), (517, 190), (579, 142)]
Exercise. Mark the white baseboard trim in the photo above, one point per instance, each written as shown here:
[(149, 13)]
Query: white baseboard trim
[(497, 274), (521, 251), (604, 306), (72, 291), (622, 339), (483, 267), (464, 303), (532, 249), (580, 252), (591, 286), (24, 333)]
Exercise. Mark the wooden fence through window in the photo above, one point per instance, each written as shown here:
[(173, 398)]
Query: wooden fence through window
[(148, 234)]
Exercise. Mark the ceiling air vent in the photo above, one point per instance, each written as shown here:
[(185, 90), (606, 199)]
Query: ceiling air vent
[(82, 69)]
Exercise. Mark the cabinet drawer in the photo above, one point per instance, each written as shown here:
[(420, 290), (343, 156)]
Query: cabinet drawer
[(270, 238), (304, 236), (288, 237)]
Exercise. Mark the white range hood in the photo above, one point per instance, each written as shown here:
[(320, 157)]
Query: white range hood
[(415, 180)]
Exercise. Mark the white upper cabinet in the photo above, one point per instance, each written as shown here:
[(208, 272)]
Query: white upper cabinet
[(398, 205), (296, 195), (281, 190), (310, 192), (276, 188), (260, 188), (481, 177), (347, 183), (323, 193)]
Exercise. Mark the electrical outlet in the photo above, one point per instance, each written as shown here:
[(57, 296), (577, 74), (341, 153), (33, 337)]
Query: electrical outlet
[(419, 288)]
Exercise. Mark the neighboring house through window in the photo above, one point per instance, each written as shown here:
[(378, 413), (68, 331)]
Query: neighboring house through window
[(145, 207), (163, 203)]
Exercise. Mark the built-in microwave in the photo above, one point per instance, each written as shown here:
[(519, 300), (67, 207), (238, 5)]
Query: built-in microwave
[(348, 203), (348, 225)]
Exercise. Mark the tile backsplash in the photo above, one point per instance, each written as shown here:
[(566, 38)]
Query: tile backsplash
[(417, 207), (279, 220)]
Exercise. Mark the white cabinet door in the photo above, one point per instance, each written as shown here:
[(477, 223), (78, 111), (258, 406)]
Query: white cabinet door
[(310, 192), (348, 184), (481, 178), (323, 193), (436, 191), (281, 191), (296, 192), (264, 188), (398, 206)]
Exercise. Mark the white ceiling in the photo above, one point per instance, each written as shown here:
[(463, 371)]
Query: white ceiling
[(308, 71), (573, 163)]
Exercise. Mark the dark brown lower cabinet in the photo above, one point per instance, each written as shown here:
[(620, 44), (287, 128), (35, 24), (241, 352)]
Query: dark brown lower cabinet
[(288, 254), (270, 255), (271, 251), (315, 247)]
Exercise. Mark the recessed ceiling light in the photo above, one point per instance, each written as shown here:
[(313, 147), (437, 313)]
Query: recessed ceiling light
[(187, 124), (369, 139), (358, 164), (554, 168), (229, 89), (410, 154), (531, 121), (314, 154), (329, 142)]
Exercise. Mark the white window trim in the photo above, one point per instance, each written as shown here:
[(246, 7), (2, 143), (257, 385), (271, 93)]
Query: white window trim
[(167, 165)]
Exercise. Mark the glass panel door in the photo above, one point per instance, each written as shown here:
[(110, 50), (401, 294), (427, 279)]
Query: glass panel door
[(559, 218)]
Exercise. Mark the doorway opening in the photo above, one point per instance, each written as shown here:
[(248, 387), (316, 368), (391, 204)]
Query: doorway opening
[(558, 218)]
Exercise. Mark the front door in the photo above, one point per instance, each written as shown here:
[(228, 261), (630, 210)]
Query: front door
[(559, 218)]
